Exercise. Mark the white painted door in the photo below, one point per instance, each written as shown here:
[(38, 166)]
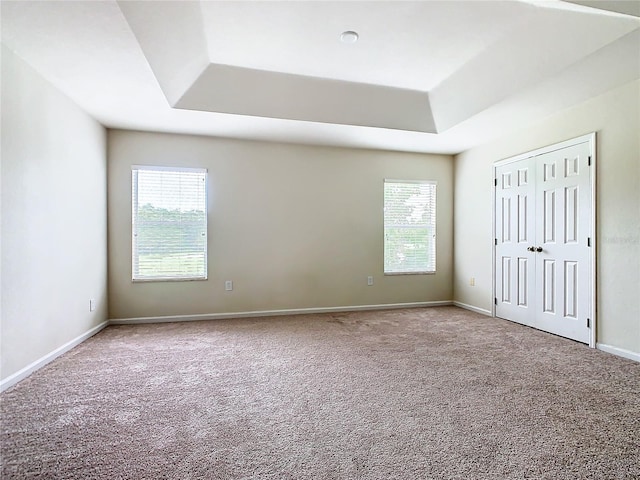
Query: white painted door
[(515, 238), (563, 228), (542, 253)]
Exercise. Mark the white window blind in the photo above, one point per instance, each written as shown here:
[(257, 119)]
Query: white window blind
[(409, 227), (169, 223)]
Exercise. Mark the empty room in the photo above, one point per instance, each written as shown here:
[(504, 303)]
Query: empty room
[(320, 239)]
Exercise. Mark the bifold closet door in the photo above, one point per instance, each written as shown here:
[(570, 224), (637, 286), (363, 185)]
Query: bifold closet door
[(542, 257)]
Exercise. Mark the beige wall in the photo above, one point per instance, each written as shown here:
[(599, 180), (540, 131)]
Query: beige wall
[(293, 226), (615, 116), (53, 218)]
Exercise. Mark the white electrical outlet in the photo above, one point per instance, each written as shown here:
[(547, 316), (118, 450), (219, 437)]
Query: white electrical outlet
[(92, 305), (472, 281), (228, 285), (369, 280)]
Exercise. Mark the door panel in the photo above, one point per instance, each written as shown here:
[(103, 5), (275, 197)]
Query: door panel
[(506, 219), (571, 215), (570, 289), (523, 211), (523, 284), (506, 280), (548, 212), (548, 286)]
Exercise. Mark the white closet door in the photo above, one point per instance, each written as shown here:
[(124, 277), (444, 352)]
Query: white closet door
[(543, 260), (562, 230), (515, 237)]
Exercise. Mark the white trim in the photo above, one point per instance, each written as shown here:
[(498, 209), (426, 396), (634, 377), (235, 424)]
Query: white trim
[(29, 369), (494, 240), (419, 182), (169, 168), (594, 258), (273, 313), (589, 137), (621, 352), (391, 274), (473, 309)]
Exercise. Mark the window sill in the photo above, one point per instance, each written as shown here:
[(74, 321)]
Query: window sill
[(393, 274), (168, 279)]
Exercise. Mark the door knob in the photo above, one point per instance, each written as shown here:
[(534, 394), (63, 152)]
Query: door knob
[(531, 249), (538, 249)]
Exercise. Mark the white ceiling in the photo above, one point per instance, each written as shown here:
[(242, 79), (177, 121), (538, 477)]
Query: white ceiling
[(429, 76)]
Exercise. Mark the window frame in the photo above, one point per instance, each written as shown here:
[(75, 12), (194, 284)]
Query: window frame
[(134, 205), (434, 185)]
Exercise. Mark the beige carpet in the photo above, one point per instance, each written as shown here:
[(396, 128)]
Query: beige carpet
[(437, 393)]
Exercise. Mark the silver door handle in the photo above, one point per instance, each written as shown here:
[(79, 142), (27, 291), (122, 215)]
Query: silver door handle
[(538, 249), (531, 249)]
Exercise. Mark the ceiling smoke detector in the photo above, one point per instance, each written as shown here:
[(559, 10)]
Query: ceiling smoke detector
[(349, 37)]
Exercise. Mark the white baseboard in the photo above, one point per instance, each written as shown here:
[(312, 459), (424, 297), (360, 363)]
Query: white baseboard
[(29, 369), (273, 313), (621, 352), (473, 309)]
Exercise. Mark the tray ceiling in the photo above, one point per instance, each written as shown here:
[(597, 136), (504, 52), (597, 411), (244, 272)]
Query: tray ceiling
[(423, 76)]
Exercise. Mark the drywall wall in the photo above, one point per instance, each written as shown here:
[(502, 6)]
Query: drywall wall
[(292, 226), (53, 218), (615, 116)]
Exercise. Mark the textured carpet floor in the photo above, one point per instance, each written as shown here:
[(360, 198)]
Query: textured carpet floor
[(438, 393)]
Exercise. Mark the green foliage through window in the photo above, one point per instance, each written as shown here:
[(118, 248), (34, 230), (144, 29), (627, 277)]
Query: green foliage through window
[(169, 223), (409, 227)]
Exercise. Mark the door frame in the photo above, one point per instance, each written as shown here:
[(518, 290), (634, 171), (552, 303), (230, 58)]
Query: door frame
[(589, 138)]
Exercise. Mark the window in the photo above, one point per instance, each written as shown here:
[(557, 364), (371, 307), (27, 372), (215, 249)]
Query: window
[(409, 227), (169, 223)]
